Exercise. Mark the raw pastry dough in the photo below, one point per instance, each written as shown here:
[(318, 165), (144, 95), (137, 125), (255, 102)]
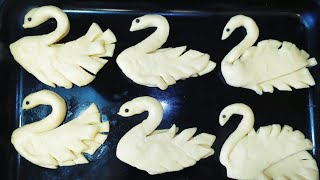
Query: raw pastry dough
[(267, 65), (269, 153), (47, 145), (147, 65), (62, 64), (159, 151)]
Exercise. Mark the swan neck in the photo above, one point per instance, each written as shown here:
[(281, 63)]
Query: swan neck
[(250, 38), (245, 126), (155, 114), (156, 39), (53, 120), (62, 29)]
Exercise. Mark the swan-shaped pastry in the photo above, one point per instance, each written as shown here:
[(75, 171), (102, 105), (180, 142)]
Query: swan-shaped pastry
[(47, 145), (159, 151), (269, 153), (147, 65), (269, 64), (62, 64)]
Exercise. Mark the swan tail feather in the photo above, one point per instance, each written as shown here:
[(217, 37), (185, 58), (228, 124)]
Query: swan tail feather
[(89, 116), (197, 147), (108, 46), (93, 146), (211, 65), (100, 138), (67, 163), (298, 166), (77, 146), (80, 159), (312, 62), (185, 135), (187, 64), (275, 130), (93, 32), (102, 43), (269, 44), (203, 139), (104, 127), (91, 64), (76, 74), (173, 52), (299, 79), (198, 61)]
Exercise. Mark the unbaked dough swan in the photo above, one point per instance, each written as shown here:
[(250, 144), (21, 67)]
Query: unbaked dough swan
[(147, 65), (269, 64), (159, 151), (62, 64), (45, 144), (269, 153)]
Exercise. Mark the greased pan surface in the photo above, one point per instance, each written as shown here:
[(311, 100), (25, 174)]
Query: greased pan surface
[(193, 102)]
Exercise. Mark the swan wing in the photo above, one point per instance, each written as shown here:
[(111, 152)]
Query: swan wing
[(80, 60), (298, 166), (66, 144), (276, 64), (165, 150), (259, 150), (163, 67)]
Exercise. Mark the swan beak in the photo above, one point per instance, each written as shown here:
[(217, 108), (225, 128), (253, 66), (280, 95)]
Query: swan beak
[(224, 36), (132, 29), (119, 114)]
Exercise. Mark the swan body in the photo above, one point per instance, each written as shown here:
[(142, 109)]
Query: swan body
[(62, 64), (271, 152), (269, 64), (147, 65), (45, 144), (159, 151)]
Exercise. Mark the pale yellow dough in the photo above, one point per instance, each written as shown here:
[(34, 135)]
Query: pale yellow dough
[(49, 145), (269, 153), (269, 64), (62, 64), (159, 151), (147, 65)]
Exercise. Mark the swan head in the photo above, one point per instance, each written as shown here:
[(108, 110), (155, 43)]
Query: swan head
[(37, 16), (31, 19), (139, 105), (236, 22), (150, 20), (44, 97), (237, 108)]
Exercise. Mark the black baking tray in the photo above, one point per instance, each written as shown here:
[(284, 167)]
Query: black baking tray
[(193, 102)]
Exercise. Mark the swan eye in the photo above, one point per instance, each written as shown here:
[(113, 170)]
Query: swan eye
[(27, 103), (137, 20), (126, 110), (29, 19), (227, 29), (223, 116)]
